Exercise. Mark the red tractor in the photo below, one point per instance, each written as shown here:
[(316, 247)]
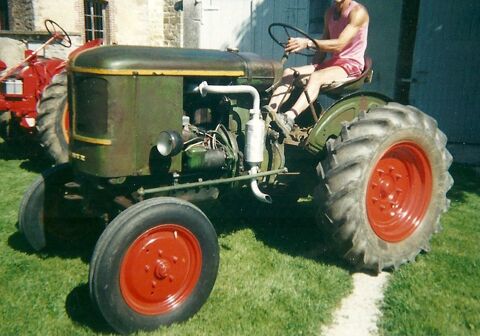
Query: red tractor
[(33, 96)]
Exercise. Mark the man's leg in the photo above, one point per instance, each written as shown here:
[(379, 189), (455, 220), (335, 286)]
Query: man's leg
[(317, 79), (283, 91)]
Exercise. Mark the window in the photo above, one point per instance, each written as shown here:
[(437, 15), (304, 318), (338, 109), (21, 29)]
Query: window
[(95, 20), (4, 24)]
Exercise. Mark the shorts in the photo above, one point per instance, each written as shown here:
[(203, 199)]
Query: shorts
[(351, 67)]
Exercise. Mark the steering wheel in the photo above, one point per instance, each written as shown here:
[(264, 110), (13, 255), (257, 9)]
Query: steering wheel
[(61, 36), (290, 31)]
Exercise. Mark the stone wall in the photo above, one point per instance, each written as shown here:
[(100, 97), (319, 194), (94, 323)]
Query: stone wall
[(21, 15), (172, 24), (130, 22)]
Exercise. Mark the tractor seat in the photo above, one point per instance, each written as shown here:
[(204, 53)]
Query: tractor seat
[(340, 88)]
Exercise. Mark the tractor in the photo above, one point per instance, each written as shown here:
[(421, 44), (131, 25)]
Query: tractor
[(33, 96), (155, 130)]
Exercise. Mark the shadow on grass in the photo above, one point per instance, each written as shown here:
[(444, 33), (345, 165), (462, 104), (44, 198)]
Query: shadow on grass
[(289, 228), (74, 248), (467, 180), (286, 226), (33, 156), (81, 310)]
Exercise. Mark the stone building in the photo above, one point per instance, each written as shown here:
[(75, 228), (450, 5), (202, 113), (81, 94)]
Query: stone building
[(131, 22)]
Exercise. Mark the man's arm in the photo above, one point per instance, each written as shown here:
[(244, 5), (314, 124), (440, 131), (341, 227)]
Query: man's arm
[(358, 18)]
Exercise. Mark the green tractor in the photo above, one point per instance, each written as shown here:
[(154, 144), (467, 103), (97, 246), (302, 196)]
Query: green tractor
[(154, 130)]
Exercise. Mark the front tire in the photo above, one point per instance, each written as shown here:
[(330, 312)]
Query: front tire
[(45, 215), (383, 186), (155, 264), (53, 120)]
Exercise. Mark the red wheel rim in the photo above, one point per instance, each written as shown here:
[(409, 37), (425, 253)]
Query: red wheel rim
[(399, 192), (160, 269)]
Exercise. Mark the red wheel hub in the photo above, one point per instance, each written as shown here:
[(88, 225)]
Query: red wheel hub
[(399, 192), (160, 269)]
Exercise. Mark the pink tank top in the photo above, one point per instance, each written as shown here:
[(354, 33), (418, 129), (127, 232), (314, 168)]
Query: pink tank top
[(355, 50)]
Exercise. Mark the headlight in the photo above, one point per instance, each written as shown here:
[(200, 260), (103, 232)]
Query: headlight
[(169, 143)]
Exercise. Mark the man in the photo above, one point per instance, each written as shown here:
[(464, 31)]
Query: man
[(345, 37)]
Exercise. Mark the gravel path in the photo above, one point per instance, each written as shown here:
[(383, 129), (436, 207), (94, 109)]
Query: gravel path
[(358, 312)]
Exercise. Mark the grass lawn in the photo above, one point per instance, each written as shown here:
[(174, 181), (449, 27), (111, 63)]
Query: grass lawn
[(274, 278), (440, 293)]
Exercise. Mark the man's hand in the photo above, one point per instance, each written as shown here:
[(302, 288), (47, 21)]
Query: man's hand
[(295, 44)]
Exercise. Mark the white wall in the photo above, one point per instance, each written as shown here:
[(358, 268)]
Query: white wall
[(137, 22), (215, 24), (66, 14), (11, 51)]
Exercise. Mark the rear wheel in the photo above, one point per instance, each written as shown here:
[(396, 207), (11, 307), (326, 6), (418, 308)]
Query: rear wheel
[(53, 120), (383, 186), (155, 264)]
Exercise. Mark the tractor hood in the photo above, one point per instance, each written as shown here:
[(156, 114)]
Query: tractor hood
[(151, 61), (123, 97)]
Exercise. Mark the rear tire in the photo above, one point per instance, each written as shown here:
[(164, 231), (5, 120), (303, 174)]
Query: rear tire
[(383, 186), (155, 264), (52, 121), (5, 125)]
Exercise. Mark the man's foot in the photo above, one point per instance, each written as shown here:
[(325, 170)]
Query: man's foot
[(284, 123)]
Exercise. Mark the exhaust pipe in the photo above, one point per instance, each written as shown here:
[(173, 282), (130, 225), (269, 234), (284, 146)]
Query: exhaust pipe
[(259, 195), (254, 132), (204, 89)]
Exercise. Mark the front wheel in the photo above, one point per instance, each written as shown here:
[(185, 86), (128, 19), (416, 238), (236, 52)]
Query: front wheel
[(155, 264), (46, 213), (383, 186)]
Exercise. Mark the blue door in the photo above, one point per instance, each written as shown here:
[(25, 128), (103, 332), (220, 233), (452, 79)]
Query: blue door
[(445, 72), (218, 24), (266, 12)]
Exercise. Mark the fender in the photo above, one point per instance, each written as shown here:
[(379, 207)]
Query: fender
[(346, 109)]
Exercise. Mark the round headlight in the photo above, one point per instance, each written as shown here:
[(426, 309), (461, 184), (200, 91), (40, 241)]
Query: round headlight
[(169, 143)]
